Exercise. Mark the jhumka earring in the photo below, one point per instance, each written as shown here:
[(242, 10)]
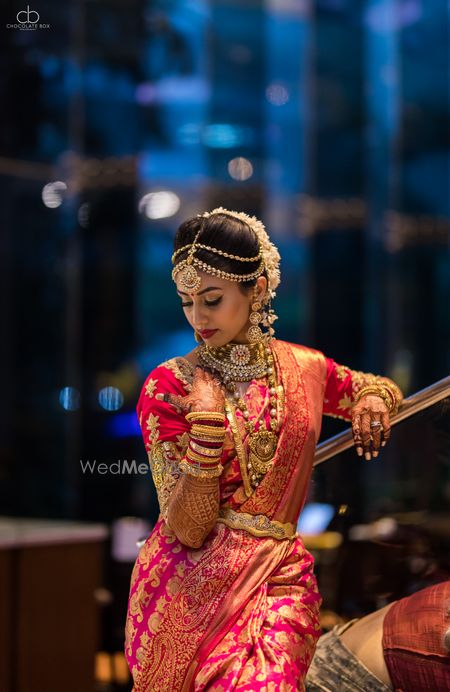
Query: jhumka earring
[(197, 337), (268, 315), (254, 332)]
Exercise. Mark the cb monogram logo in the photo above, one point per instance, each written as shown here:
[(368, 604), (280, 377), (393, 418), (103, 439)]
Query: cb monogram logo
[(28, 14)]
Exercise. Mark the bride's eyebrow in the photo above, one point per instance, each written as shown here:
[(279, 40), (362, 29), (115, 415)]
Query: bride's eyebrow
[(205, 290)]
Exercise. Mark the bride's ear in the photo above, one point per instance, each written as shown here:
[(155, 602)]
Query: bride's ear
[(261, 286)]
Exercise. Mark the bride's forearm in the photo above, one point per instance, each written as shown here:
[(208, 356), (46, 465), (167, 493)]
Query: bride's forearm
[(193, 509)]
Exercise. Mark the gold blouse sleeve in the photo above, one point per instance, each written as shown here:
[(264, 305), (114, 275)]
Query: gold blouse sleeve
[(344, 385)]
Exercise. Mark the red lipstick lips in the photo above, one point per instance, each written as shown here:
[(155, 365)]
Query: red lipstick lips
[(207, 333)]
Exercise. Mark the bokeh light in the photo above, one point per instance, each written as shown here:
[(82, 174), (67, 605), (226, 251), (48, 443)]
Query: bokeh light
[(240, 168), (277, 94), (110, 398), (224, 136), (159, 205), (70, 398), (53, 194)]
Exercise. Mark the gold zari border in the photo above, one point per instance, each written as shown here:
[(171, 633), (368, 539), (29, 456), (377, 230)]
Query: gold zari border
[(256, 524)]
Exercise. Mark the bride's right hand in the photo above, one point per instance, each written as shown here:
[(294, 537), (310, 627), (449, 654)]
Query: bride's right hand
[(207, 394)]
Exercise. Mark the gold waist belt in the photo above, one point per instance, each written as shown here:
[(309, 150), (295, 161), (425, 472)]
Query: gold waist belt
[(256, 524)]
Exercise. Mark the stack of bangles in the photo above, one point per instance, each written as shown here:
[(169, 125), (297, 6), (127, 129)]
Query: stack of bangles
[(206, 437), (388, 391)]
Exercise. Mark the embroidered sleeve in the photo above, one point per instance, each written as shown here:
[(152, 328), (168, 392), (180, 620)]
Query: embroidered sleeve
[(164, 431), (343, 384)]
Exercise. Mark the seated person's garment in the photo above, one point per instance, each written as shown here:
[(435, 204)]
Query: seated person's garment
[(414, 633), (415, 637)]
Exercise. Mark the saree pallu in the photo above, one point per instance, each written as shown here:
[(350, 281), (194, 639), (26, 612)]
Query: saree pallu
[(240, 612)]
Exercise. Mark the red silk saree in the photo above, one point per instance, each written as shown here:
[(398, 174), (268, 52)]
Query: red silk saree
[(241, 612)]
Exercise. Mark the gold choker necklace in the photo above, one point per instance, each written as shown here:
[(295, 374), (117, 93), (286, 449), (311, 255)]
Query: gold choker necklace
[(236, 362)]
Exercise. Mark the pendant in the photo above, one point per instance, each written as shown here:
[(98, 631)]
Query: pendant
[(240, 354), (262, 446), (190, 279)]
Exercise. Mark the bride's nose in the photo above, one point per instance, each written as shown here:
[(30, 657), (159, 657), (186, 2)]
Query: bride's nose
[(198, 317)]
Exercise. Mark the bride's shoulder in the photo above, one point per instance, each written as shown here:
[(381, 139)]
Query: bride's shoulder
[(179, 368), (173, 374)]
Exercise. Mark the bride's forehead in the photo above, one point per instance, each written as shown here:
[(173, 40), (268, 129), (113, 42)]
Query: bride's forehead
[(208, 283)]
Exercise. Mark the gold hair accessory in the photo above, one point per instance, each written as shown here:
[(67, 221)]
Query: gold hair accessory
[(216, 251), (267, 249), (190, 281), (188, 275), (268, 255)]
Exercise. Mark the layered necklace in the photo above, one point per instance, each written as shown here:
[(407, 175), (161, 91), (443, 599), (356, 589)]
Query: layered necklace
[(241, 363)]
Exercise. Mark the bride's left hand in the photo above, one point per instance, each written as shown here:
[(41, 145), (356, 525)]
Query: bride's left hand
[(370, 425)]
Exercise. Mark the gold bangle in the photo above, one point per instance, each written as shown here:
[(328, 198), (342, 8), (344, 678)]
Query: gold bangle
[(207, 431), (377, 390), (199, 439), (395, 392), (370, 389), (190, 454), (206, 451), (205, 415), (201, 473), (216, 442)]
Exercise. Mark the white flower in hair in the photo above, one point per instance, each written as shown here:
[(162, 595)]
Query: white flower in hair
[(269, 251)]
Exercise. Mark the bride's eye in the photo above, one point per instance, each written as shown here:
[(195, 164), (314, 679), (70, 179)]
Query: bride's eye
[(213, 302)]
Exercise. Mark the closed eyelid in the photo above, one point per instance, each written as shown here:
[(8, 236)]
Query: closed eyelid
[(208, 303)]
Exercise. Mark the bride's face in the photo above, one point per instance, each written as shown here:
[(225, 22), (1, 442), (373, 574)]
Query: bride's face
[(220, 310)]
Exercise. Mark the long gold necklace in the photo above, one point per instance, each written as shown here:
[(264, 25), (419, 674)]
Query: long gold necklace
[(241, 363)]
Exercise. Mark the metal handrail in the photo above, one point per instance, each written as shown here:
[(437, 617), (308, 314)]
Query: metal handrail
[(413, 404)]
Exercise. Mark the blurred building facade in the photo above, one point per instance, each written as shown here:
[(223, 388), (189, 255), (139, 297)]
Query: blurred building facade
[(327, 119)]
